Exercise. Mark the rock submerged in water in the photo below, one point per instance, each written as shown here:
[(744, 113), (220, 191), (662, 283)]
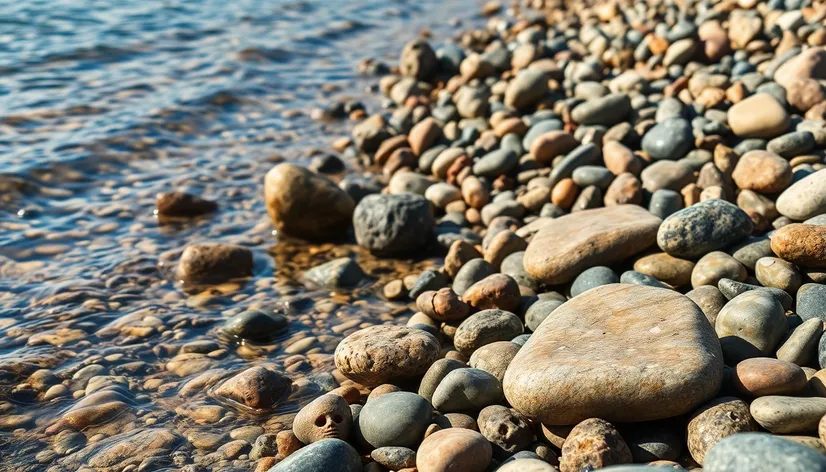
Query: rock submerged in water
[(182, 205), (568, 245), (659, 366), (214, 263), (393, 225), (256, 387), (339, 273), (304, 204)]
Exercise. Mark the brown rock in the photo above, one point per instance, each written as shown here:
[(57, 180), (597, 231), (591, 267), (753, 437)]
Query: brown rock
[(459, 253), (564, 193), (666, 268), (803, 94), (486, 327), (761, 376), (626, 188), (568, 245), (305, 204), (508, 431), (214, 263), (809, 64), (442, 305), (475, 193), (255, 387), (619, 159), (759, 116), (715, 421), (423, 135), (801, 244), (714, 266), (388, 147), (375, 355), (743, 28), (328, 416), (593, 444), (180, 204), (762, 172), (494, 358), (502, 245), (494, 291), (552, 144), (454, 449), (513, 125), (715, 40), (287, 443)]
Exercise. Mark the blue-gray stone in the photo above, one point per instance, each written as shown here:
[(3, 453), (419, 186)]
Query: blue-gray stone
[(593, 277), (761, 452), (467, 390), (326, 455), (702, 228), (792, 144), (540, 310), (752, 249), (512, 265), (607, 111), (664, 203), (338, 273), (428, 280), (395, 419), (393, 224), (585, 154), (638, 278), (592, 175), (811, 301), (521, 339), (495, 163), (539, 129), (670, 140), (731, 288), (473, 271)]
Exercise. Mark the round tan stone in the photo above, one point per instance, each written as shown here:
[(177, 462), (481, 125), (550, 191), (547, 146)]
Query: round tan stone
[(654, 347), (454, 449), (552, 144), (763, 172), (801, 244), (715, 421), (666, 268), (759, 116), (761, 376)]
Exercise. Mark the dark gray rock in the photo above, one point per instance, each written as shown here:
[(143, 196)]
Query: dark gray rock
[(434, 375), (338, 273), (395, 419), (670, 140), (327, 455), (256, 325), (760, 452), (664, 203), (428, 280), (653, 441), (752, 249), (731, 288), (540, 310), (638, 278), (393, 224), (583, 155), (512, 265), (792, 144), (593, 277), (702, 228), (607, 111), (811, 301), (467, 390), (495, 163)]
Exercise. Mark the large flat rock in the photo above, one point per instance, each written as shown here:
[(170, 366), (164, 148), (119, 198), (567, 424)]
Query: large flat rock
[(620, 352), (566, 246)]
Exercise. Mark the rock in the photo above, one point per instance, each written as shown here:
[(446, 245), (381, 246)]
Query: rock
[(809, 64), (459, 253), (548, 146), (801, 346), (811, 301), (256, 325), (568, 245), (307, 205), (428, 280), (607, 111), (699, 229), (394, 458), (495, 163), (558, 378), (664, 202), (751, 325), (593, 444), (494, 358), (255, 387), (452, 450), (467, 390), (758, 116), (471, 272), (777, 273), (636, 278), (393, 224), (328, 416), (788, 415), (124, 451), (760, 452), (762, 172), (801, 244), (378, 354), (485, 327), (408, 182), (442, 305), (709, 299), (792, 144), (625, 188), (338, 273), (395, 419), (715, 266), (539, 311), (264, 446), (418, 60), (528, 87), (507, 430), (666, 268), (434, 375), (762, 376), (182, 205), (214, 263), (715, 421), (423, 135), (494, 291), (442, 194), (804, 199), (666, 175), (654, 440), (526, 465), (327, 455), (591, 278), (670, 140), (680, 52)]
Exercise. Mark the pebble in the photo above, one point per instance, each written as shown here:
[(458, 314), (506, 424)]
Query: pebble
[(592, 278), (777, 273), (471, 272), (327, 455), (702, 228), (395, 419), (715, 266), (540, 310), (496, 291), (214, 263), (593, 444), (763, 172), (255, 387), (666, 268), (454, 449), (256, 325), (715, 421), (751, 325), (801, 346), (805, 198), (762, 376), (394, 457), (182, 205), (494, 358), (393, 224), (709, 299), (485, 327), (508, 431), (760, 452), (811, 301), (788, 415), (528, 87), (670, 140), (606, 111), (328, 416), (467, 390), (564, 386), (339, 273), (758, 116), (801, 244), (434, 375)]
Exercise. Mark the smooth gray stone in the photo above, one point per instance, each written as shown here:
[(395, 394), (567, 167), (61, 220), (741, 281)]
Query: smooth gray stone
[(473, 271), (428, 280), (664, 203), (467, 390), (326, 455), (393, 224), (395, 419), (540, 310), (256, 325), (811, 301), (761, 452), (338, 273), (637, 278), (593, 277), (731, 288), (752, 249), (495, 163), (670, 140), (607, 111), (585, 154)]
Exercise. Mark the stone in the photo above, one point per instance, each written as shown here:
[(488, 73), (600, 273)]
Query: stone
[(423, 135), (458, 254), (418, 60), (428, 280), (762, 376), (709, 299), (182, 205), (305, 204), (792, 144), (442, 194), (548, 146), (593, 444), (328, 416), (394, 458), (751, 325), (666, 268), (408, 182), (256, 325), (654, 441), (378, 354), (255, 387), (702, 228), (715, 421), (558, 376), (809, 64), (507, 430), (452, 450), (568, 245), (637, 278), (214, 263), (467, 390), (591, 278), (395, 419), (471, 272), (762, 172), (607, 111), (788, 415), (495, 163), (539, 311), (811, 301), (758, 116), (434, 375), (494, 358), (666, 175), (526, 465), (442, 305), (670, 140), (801, 346), (805, 198), (124, 451), (393, 224), (777, 273), (664, 202), (485, 327), (528, 87), (715, 266), (494, 291), (327, 455), (339, 273), (801, 244), (760, 452)]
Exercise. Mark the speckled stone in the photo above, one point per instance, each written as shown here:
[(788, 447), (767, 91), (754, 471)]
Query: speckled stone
[(760, 452), (699, 229)]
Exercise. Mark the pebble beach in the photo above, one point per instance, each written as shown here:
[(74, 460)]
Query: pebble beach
[(537, 236)]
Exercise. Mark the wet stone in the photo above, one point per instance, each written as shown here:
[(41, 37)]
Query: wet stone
[(393, 224), (338, 273), (256, 325), (395, 419)]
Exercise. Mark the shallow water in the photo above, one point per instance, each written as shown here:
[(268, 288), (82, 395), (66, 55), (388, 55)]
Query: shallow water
[(103, 104)]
